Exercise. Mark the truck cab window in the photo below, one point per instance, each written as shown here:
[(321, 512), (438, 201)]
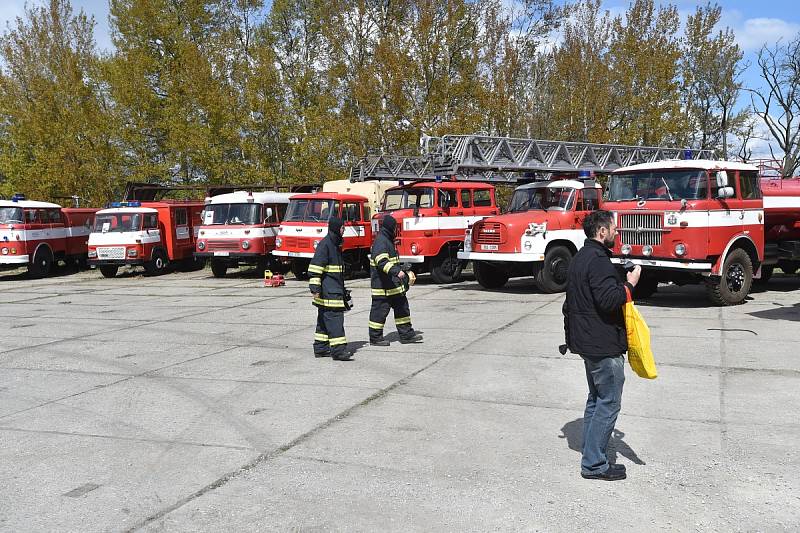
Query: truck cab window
[(180, 217), (466, 201), (482, 198), (447, 199), (151, 221), (351, 212), (749, 184), (591, 199)]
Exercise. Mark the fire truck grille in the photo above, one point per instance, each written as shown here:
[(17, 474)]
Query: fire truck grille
[(640, 228), (489, 233), (297, 242), (115, 252), (212, 246)]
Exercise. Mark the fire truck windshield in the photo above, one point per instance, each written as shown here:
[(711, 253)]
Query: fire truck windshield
[(10, 215), (311, 210), (408, 198), (658, 185), (542, 198), (249, 213), (117, 222)]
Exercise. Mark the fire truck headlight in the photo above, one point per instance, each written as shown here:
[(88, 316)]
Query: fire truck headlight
[(92, 254), (201, 245), (278, 242), (626, 249), (316, 243), (527, 246), (4, 251), (245, 245), (680, 249), (647, 250), (414, 248), (133, 252)]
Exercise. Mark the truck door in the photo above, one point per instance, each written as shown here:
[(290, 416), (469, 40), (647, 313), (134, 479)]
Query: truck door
[(723, 217), (447, 203), (182, 233), (752, 212), (356, 233)]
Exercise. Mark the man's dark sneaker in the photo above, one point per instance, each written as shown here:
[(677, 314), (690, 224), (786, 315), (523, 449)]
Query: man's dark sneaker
[(379, 342), (409, 340), (614, 473), (322, 354)]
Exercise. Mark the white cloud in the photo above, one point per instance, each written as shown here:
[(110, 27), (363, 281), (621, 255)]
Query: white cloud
[(755, 32)]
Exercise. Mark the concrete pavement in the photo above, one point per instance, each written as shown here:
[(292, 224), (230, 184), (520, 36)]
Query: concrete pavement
[(188, 403)]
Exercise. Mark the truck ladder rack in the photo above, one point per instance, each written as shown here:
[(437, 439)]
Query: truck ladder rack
[(506, 159)]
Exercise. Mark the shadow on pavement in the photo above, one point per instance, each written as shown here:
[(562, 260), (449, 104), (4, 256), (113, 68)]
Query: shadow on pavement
[(573, 432), (787, 312)]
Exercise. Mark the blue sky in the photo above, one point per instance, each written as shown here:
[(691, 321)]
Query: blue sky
[(754, 22)]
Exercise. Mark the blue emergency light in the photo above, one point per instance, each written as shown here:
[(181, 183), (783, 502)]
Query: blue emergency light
[(687, 154), (438, 179), (135, 203), (18, 197), (584, 174)]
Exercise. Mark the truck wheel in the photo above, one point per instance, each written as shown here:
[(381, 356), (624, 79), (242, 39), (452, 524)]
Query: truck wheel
[(158, 264), (552, 277), (300, 269), (733, 285), (42, 263), (489, 276), (219, 268), (646, 287), (446, 267), (766, 274), (109, 271)]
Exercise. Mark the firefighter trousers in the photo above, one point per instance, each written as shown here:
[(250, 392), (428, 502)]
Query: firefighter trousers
[(329, 338), (380, 310)]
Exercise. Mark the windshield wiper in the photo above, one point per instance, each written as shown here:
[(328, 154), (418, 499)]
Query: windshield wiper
[(669, 194)]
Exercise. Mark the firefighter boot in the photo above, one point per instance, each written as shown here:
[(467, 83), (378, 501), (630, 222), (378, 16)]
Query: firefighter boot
[(411, 339)]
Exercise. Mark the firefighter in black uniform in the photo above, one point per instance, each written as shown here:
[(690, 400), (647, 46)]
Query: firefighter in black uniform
[(326, 282), (389, 285)]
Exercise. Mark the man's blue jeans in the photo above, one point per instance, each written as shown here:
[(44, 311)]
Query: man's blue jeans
[(605, 377)]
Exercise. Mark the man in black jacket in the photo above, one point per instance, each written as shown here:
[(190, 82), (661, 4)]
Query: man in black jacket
[(389, 285), (595, 328), (327, 288)]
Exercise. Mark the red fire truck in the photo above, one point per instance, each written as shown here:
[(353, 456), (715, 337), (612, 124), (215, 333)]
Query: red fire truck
[(306, 223), (432, 218), (704, 221), (240, 228), (151, 234), (537, 237), (38, 234)]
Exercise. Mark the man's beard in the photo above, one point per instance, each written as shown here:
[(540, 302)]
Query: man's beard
[(609, 242)]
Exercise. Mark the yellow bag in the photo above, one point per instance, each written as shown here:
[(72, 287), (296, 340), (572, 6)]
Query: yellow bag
[(640, 356)]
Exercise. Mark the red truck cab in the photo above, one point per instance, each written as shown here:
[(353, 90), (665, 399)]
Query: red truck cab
[(306, 224), (538, 237), (240, 228), (154, 235), (432, 218), (38, 234)]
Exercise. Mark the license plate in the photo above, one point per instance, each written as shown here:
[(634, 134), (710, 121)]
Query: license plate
[(489, 247), (294, 254), (221, 254)]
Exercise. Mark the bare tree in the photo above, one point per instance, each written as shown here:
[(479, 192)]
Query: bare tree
[(778, 104)]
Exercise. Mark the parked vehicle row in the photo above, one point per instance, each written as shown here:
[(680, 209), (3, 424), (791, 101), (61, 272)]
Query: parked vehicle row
[(693, 221)]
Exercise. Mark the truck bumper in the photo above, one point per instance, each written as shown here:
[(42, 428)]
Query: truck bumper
[(13, 261), (666, 264), (500, 258), (115, 262), (412, 258), (239, 257)]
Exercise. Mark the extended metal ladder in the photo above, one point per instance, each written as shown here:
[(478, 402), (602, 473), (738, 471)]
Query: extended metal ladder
[(505, 159)]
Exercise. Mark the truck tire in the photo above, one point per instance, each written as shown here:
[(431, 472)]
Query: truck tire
[(766, 274), (109, 271), (552, 276), (42, 263), (489, 276), (446, 267), (646, 287), (219, 268), (157, 264), (300, 269), (735, 280)]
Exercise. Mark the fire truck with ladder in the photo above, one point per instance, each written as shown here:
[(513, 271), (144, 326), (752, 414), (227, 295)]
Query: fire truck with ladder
[(155, 235), (240, 228), (703, 221), (306, 224), (543, 231), (36, 235)]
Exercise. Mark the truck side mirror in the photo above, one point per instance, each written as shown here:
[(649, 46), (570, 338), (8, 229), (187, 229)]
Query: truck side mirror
[(722, 179), (267, 215), (725, 192)]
